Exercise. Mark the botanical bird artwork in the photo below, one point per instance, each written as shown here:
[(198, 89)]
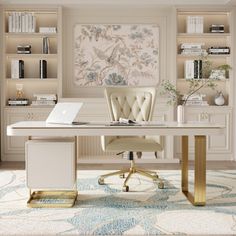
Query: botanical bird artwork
[(116, 55)]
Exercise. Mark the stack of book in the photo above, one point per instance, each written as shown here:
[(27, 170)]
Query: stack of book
[(193, 69), (194, 49), (17, 69), (47, 30), (194, 24), (24, 49), (195, 100), (45, 100), (24, 22)]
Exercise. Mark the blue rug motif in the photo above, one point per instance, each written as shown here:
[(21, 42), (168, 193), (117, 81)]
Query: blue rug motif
[(106, 210)]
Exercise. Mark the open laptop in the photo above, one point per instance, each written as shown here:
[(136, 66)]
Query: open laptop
[(65, 113)]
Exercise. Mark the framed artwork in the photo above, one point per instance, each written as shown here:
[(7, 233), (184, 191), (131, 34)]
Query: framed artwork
[(116, 54)]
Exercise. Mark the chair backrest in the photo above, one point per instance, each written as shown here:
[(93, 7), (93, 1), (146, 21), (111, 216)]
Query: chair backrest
[(131, 103)]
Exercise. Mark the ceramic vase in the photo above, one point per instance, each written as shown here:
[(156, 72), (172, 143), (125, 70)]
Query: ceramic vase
[(180, 114), (219, 99)]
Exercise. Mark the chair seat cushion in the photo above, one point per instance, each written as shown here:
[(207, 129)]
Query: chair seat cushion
[(133, 144)]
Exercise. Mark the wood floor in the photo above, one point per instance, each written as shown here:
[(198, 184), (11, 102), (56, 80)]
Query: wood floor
[(211, 165)]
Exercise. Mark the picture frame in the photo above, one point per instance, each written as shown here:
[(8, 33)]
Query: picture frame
[(116, 55)]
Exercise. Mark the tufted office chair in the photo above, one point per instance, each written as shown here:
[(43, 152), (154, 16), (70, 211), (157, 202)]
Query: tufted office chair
[(136, 104)]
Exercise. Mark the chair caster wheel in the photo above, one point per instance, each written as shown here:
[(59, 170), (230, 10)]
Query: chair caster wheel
[(122, 176), (161, 185), (156, 177), (125, 188), (101, 181)]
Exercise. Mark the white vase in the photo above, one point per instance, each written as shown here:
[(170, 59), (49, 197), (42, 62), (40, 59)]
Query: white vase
[(219, 99), (180, 114)]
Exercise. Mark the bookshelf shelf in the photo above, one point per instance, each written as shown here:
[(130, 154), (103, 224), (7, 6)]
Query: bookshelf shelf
[(215, 81), (32, 55), (203, 35), (36, 35), (208, 55), (32, 79)]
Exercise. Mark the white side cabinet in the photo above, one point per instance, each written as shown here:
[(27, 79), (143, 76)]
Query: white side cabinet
[(50, 164), (13, 147), (218, 147)]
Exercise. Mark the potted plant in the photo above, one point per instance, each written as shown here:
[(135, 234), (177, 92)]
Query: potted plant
[(226, 68), (174, 96)]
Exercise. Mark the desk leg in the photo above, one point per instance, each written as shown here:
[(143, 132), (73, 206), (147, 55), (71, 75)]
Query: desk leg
[(184, 163), (200, 171), (199, 197), (76, 156)]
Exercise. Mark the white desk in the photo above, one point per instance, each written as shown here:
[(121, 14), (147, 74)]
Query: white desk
[(199, 130)]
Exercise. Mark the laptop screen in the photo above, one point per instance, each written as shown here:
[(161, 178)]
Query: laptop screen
[(64, 112)]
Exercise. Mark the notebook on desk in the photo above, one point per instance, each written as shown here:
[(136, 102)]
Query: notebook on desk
[(65, 113)]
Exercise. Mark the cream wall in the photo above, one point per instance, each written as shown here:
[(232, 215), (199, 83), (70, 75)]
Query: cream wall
[(95, 107), (116, 14)]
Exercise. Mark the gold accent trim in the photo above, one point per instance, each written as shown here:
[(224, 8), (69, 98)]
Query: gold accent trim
[(76, 156), (184, 163), (132, 170), (200, 171), (52, 199), (199, 196)]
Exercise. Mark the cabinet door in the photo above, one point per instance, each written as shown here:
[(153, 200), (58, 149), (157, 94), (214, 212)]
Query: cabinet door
[(217, 143), (218, 146), (220, 143), (15, 145)]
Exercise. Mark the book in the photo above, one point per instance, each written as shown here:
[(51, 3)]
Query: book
[(21, 22), (17, 69), (43, 103), (10, 23), (47, 97), (194, 24), (199, 24), (45, 46), (190, 25), (42, 69), (198, 69), (196, 103), (189, 69), (47, 30), (191, 45), (193, 69)]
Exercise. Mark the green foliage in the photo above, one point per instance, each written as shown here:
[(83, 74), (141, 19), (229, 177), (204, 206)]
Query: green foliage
[(225, 67), (170, 91), (195, 85)]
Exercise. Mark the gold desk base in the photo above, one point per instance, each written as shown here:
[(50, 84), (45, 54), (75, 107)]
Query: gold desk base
[(198, 198), (52, 199)]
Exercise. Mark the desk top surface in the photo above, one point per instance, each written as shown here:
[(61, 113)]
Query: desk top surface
[(41, 128)]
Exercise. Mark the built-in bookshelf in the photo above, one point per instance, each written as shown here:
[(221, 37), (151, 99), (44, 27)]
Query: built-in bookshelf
[(205, 108), (43, 41), (31, 27), (194, 28)]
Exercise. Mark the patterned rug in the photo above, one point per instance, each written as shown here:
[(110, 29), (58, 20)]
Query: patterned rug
[(106, 210)]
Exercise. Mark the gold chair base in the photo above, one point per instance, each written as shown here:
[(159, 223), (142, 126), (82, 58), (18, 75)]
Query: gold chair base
[(52, 199), (132, 170)]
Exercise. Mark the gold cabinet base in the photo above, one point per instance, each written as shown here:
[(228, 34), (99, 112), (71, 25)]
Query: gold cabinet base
[(52, 199)]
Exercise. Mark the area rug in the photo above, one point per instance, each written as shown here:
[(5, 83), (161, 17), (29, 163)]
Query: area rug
[(106, 210)]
